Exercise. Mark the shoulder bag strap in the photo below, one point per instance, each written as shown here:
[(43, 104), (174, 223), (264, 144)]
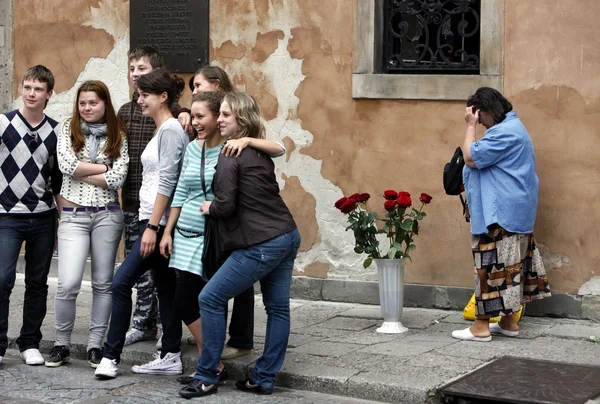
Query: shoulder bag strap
[(202, 162)]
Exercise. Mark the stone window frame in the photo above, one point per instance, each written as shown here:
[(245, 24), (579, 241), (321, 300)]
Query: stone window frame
[(368, 83)]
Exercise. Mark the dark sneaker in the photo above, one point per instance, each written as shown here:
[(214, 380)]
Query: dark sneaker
[(197, 388), (247, 385), (58, 355), (94, 357)]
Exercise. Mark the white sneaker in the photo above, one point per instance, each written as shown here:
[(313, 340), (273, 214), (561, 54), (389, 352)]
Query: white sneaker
[(32, 356), (134, 335), (169, 365), (107, 369)]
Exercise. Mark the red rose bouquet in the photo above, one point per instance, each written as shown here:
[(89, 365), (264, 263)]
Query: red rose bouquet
[(400, 224)]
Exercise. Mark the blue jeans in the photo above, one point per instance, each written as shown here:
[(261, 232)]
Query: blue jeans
[(127, 275), (39, 234), (270, 262)]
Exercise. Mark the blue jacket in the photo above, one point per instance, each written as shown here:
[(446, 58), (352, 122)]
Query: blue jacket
[(503, 189)]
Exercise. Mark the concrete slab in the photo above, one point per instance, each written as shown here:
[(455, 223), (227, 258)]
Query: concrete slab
[(328, 379), (330, 350), (559, 305), (580, 331), (400, 349), (306, 288), (319, 331), (364, 311), (365, 337), (296, 340), (421, 318), (391, 388), (351, 291), (590, 308), (350, 324), (326, 348)]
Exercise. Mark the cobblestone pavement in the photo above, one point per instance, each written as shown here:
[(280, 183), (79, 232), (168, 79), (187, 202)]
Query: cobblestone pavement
[(75, 383)]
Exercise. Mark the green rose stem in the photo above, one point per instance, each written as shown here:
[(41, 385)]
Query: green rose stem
[(415, 229), (399, 226)]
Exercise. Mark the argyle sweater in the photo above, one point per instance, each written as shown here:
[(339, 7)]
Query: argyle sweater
[(29, 174)]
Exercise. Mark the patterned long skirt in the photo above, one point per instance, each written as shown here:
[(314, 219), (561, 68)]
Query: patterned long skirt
[(508, 271)]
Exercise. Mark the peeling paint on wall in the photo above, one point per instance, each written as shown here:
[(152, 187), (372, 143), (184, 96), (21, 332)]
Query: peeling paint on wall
[(552, 261), (99, 53), (296, 59), (591, 287)]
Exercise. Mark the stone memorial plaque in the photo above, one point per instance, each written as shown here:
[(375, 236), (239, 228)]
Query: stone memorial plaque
[(177, 28)]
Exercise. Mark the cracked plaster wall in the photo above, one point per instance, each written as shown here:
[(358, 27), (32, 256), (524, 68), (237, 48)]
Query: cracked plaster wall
[(6, 54), (296, 58)]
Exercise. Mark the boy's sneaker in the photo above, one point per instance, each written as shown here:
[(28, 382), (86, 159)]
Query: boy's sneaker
[(169, 365), (94, 357), (231, 352), (32, 356), (58, 355), (107, 369), (134, 335)]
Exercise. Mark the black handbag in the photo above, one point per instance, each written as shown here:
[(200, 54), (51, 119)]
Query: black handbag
[(213, 254), (453, 179)]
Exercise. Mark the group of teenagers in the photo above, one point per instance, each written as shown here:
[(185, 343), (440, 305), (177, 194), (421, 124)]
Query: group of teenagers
[(175, 168)]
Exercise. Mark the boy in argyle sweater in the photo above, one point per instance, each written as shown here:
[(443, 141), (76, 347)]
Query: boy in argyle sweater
[(29, 184)]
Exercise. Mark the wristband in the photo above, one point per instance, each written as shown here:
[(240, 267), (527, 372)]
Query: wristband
[(152, 227), (107, 168)]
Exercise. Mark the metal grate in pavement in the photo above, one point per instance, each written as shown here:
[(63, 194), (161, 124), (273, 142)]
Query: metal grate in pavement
[(517, 380)]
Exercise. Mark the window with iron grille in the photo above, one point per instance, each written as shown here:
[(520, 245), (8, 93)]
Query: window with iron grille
[(431, 36)]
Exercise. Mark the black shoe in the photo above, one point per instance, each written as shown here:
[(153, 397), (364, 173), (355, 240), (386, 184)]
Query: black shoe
[(249, 386), (58, 355), (197, 388), (223, 375), (94, 357)]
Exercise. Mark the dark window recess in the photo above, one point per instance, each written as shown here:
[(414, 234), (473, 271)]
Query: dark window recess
[(431, 36)]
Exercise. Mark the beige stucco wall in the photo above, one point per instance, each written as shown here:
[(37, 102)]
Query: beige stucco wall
[(296, 58)]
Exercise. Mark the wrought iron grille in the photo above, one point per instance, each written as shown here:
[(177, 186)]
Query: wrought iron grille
[(431, 36)]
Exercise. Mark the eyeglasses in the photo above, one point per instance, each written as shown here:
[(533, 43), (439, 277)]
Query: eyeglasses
[(33, 141)]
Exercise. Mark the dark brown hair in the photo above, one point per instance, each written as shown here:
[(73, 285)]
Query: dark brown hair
[(491, 101), (213, 100), (160, 81), (215, 75), (41, 74), (154, 57), (114, 127)]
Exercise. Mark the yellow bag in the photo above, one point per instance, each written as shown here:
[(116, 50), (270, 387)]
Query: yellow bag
[(469, 312)]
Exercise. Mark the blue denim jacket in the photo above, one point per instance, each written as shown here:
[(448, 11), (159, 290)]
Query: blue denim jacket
[(503, 188)]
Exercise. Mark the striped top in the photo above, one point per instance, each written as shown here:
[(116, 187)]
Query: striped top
[(187, 252)]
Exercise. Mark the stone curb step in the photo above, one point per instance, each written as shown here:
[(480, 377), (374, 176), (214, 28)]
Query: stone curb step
[(329, 380)]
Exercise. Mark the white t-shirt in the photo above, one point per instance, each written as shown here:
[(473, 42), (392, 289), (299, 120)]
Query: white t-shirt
[(150, 176)]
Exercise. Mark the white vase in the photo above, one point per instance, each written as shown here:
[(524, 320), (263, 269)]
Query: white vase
[(391, 294)]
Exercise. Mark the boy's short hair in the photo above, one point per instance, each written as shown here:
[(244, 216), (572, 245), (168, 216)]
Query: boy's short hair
[(154, 57), (41, 74)]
